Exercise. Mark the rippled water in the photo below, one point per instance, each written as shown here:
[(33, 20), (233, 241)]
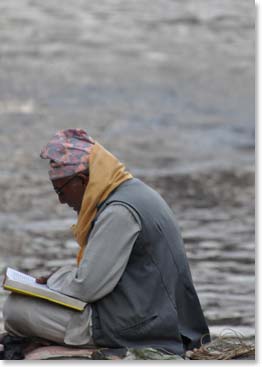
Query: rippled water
[(168, 86)]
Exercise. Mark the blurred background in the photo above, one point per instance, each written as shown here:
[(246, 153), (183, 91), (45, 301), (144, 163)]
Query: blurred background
[(169, 87)]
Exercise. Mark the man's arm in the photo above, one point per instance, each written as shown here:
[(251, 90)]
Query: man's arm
[(105, 257)]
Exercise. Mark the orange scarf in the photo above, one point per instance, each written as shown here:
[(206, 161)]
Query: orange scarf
[(105, 174)]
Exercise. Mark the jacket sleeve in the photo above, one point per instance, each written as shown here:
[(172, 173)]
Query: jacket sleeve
[(105, 257)]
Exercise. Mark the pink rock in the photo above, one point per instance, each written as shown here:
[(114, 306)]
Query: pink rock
[(59, 352)]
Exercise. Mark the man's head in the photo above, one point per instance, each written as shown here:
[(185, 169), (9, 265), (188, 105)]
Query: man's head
[(70, 190), (68, 152)]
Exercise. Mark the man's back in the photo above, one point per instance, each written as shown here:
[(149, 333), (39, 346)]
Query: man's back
[(155, 302)]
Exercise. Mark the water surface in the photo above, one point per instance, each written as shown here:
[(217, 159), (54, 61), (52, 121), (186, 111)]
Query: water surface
[(167, 86)]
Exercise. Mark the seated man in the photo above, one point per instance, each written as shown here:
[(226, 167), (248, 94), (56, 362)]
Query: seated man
[(131, 267)]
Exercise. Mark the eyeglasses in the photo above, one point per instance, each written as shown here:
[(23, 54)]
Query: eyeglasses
[(60, 189)]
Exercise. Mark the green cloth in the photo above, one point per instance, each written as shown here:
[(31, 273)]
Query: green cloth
[(149, 353)]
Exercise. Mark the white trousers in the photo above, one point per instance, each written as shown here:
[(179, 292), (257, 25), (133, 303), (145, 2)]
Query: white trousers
[(30, 316)]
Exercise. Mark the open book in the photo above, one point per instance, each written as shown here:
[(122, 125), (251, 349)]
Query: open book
[(18, 282)]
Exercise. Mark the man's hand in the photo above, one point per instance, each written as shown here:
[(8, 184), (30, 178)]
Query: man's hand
[(42, 280)]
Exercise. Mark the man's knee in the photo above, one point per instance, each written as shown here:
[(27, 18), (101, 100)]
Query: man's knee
[(12, 314), (8, 308), (7, 312)]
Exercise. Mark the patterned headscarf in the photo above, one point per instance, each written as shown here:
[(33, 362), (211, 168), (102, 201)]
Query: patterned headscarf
[(69, 152)]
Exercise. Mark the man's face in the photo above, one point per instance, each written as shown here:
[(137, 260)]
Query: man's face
[(70, 190)]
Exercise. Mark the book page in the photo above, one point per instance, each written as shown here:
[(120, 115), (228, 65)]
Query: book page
[(17, 276)]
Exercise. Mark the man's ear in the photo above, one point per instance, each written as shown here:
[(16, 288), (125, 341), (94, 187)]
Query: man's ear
[(84, 178)]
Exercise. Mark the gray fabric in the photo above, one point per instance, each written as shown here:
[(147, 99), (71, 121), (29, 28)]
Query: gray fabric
[(105, 257), (29, 316), (79, 328), (104, 261), (154, 303)]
